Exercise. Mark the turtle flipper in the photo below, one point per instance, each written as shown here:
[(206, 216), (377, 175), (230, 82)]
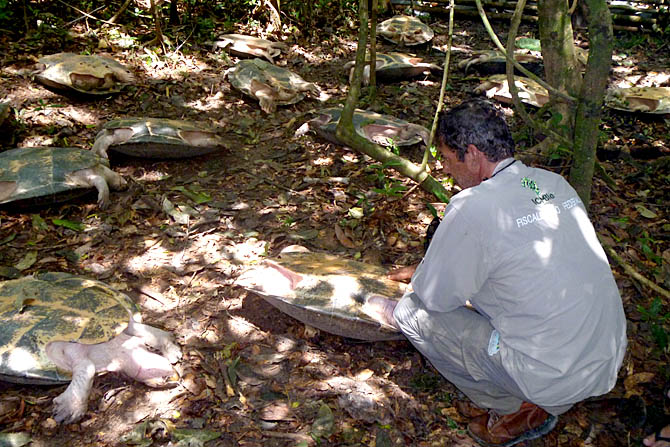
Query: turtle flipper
[(155, 338), (71, 405)]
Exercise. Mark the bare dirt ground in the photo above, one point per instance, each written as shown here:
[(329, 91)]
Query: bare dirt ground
[(250, 373)]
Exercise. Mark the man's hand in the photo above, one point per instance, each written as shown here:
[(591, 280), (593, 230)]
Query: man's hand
[(403, 274)]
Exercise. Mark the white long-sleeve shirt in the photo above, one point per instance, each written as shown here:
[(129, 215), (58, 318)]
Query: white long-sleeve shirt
[(521, 249)]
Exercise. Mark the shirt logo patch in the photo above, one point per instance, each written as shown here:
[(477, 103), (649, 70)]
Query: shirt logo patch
[(541, 198)]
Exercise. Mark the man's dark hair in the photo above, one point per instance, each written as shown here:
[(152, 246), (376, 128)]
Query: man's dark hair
[(478, 122)]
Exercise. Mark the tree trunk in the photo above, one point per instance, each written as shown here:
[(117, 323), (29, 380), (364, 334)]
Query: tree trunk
[(558, 54), (589, 109)]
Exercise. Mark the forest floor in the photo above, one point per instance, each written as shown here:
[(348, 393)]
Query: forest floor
[(249, 373)]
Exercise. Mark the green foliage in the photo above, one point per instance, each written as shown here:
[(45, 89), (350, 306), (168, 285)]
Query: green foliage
[(646, 246), (385, 185), (6, 12), (657, 320)]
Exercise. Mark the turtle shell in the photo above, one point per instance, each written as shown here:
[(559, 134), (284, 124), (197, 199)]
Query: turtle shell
[(54, 307), (393, 67), (249, 46), (405, 30), (380, 129), (325, 291), (160, 138), (288, 88), (87, 74), (494, 62), (42, 172), (655, 100), (530, 92)]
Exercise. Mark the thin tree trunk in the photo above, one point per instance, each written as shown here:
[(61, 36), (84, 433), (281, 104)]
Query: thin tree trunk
[(589, 109), (373, 54), (558, 54)]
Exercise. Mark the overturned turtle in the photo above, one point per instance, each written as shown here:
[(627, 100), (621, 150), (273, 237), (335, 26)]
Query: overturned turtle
[(60, 328), (653, 100), (156, 138), (530, 92), (269, 84), (393, 67), (494, 62), (489, 62), (405, 30), (85, 74), (326, 292), (45, 175), (380, 129), (248, 46)]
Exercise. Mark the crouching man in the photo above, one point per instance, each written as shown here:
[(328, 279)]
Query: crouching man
[(514, 302)]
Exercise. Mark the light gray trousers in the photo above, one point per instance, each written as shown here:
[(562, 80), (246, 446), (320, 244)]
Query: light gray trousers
[(456, 343)]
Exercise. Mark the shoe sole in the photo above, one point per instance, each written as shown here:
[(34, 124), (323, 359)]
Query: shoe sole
[(535, 433)]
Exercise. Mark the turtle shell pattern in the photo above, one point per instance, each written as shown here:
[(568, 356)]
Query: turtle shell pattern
[(42, 171), (88, 74), (282, 80), (54, 307), (405, 30), (394, 66), (655, 100), (329, 295), (490, 62), (530, 92), (372, 126), (249, 46), (164, 138)]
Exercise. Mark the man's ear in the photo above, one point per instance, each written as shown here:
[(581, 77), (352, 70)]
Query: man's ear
[(473, 156)]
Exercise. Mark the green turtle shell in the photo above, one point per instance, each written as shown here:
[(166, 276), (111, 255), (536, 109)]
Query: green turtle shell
[(489, 62), (36, 310), (87, 74), (41, 173), (393, 67), (654, 100), (286, 83), (405, 30), (329, 295), (163, 138), (384, 130)]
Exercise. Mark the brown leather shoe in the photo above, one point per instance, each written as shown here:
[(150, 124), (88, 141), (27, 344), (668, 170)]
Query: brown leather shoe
[(529, 422), (469, 410)]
